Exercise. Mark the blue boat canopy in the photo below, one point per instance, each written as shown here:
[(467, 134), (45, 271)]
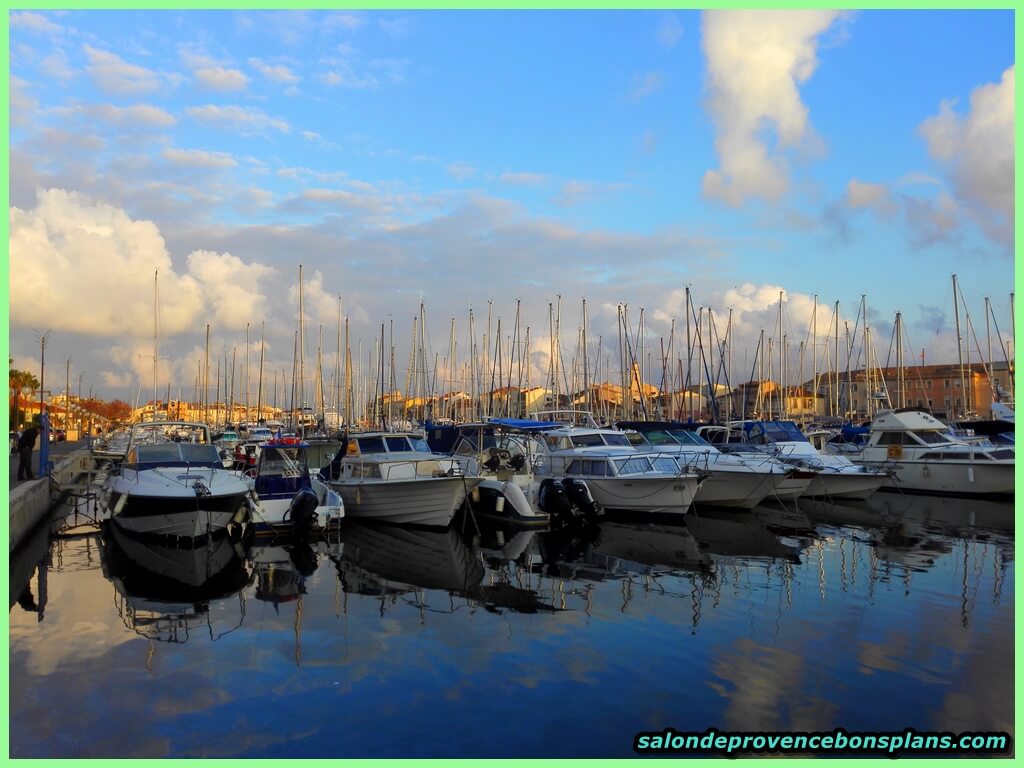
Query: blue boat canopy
[(523, 423)]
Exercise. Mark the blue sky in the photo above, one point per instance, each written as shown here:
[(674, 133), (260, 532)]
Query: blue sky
[(464, 157)]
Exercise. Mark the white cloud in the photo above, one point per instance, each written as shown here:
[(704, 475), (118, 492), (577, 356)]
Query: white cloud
[(114, 75), (197, 158), (86, 267), (35, 22), (977, 152), (234, 117), (57, 67), (277, 73), (756, 60), (860, 194), (221, 79), (73, 256), (397, 28), (135, 116), (669, 31), (231, 287)]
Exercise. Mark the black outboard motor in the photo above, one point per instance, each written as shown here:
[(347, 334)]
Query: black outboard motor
[(578, 494), (302, 510), (551, 498)]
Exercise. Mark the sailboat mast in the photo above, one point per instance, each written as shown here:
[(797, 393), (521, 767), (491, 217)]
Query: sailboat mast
[(206, 379), (156, 315), (259, 386), (301, 343), (959, 347), (245, 379)]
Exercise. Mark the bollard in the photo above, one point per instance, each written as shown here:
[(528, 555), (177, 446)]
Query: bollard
[(44, 444)]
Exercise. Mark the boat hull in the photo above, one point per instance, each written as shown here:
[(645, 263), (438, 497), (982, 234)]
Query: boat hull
[(950, 477), (743, 490), (181, 517), (845, 485), (430, 502), (506, 501), (655, 495)]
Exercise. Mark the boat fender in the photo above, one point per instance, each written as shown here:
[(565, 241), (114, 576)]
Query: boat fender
[(120, 503), (970, 474), (475, 494), (499, 504)]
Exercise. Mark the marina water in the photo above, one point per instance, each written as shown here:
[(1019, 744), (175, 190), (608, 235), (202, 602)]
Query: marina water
[(378, 641)]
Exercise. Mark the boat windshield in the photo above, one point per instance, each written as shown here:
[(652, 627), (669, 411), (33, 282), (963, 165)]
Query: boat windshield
[(686, 437), (932, 437), (284, 462), (775, 432)]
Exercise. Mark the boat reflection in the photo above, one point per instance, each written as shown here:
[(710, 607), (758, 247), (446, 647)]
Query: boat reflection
[(651, 547), (165, 593), (726, 534), (379, 559)]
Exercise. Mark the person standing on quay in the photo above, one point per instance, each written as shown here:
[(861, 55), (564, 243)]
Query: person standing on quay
[(26, 443)]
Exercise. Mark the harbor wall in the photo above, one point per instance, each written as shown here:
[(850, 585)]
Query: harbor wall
[(30, 502)]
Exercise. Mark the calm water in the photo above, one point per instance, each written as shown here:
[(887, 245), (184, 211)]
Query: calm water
[(385, 641)]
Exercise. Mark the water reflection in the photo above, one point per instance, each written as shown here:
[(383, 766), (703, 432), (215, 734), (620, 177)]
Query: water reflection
[(165, 592), (878, 615)]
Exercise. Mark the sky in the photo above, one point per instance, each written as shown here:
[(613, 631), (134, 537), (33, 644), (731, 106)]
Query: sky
[(470, 160)]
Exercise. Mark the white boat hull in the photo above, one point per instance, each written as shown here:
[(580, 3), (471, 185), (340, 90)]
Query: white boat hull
[(429, 501), (951, 477), (724, 488), (506, 500), (656, 495), (845, 485)]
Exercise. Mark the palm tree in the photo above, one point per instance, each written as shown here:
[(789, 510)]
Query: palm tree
[(18, 382)]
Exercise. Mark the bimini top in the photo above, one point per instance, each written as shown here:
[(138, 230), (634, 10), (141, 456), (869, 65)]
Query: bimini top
[(524, 424)]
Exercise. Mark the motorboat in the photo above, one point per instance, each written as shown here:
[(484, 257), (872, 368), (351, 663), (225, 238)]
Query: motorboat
[(617, 475), (503, 453), (732, 481), (836, 476), (286, 494), (172, 483), (394, 477), (788, 482), (925, 457)]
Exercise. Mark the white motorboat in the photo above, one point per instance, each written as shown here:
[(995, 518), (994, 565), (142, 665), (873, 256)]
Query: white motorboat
[(732, 482), (788, 482), (286, 494), (617, 475), (925, 457), (836, 476), (394, 477), (172, 483), (502, 452)]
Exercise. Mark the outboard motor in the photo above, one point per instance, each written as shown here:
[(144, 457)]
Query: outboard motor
[(551, 498), (302, 510), (578, 494)]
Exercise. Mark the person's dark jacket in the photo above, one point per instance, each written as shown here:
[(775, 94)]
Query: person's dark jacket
[(28, 438)]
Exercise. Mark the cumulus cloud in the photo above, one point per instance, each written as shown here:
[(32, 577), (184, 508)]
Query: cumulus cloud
[(976, 150), (237, 118), (82, 266), (71, 256), (112, 74), (231, 287), (756, 61)]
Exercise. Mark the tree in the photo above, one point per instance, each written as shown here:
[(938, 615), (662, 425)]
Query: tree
[(18, 382)]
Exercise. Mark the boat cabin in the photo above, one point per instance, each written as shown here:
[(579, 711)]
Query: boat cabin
[(282, 469), (155, 455)]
